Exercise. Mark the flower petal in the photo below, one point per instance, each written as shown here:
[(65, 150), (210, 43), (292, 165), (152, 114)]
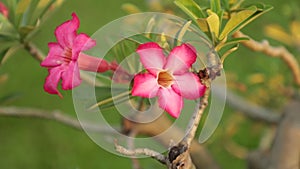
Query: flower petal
[(152, 56), (94, 64), (145, 85), (4, 10), (54, 57), (188, 86), (181, 59), (170, 101), (66, 32), (52, 80), (71, 77), (81, 42)]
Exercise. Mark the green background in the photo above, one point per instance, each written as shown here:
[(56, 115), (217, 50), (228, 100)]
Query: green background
[(36, 144)]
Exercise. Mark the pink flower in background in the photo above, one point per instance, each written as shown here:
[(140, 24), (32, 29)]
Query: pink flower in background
[(168, 78), (65, 58), (3, 10)]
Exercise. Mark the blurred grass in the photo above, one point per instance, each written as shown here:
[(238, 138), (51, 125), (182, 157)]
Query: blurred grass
[(35, 144)]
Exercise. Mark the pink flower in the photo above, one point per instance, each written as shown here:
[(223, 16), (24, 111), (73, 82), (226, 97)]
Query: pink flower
[(65, 58), (168, 78), (3, 10)]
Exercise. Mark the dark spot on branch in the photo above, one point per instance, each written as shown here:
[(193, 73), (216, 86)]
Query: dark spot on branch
[(175, 151)]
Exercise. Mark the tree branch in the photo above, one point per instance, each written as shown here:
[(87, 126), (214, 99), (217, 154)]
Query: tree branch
[(285, 151), (34, 51), (130, 144), (195, 120), (247, 108), (199, 154), (140, 151), (280, 52), (52, 115)]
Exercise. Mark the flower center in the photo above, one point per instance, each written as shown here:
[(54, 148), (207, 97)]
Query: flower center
[(164, 79), (67, 55)]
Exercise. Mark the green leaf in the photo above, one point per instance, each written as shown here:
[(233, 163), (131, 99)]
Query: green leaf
[(105, 99), (2, 54), (236, 20), (228, 52), (225, 4), (231, 42), (213, 22), (7, 30), (42, 8), (25, 30), (215, 6), (5, 53), (103, 79), (140, 39), (121, 50), (131, 8), (203, 25), (210, 25), (242, 18), (26, 17), (22, 6), (12, 5), (261, 9), (149, 27), (191, 8), (235, 4), (179, 35)]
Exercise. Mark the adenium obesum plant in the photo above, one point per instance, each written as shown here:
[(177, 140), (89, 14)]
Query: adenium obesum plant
[(168, 78), (65, 57)]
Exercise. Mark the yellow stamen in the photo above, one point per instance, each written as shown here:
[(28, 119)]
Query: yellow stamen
[(164, 79)]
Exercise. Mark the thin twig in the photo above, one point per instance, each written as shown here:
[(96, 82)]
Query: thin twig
[(130, 144), (52, 115), (280, 52), (34, 51), (132, 134), (248, 108), (195, 120), (286, 141), (200, 155), (140, 151)]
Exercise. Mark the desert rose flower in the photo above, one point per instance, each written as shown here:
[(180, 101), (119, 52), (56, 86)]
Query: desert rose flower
[(3, 10), (168, 78), (65, 57)]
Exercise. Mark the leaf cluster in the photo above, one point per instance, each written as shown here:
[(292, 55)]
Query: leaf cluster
[(222, 19), (23, 21)]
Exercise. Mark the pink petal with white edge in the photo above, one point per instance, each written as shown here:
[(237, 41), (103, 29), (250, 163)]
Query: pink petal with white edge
[(82, 42), (54, 57), (52, 80), (145, 85), (71, 76), (152, 57), (188, 86), (66, 32), (170, 101), (181, 59)]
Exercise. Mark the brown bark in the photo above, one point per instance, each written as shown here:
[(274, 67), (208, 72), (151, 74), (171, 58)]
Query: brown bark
[(200, 156), (285, 151)]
